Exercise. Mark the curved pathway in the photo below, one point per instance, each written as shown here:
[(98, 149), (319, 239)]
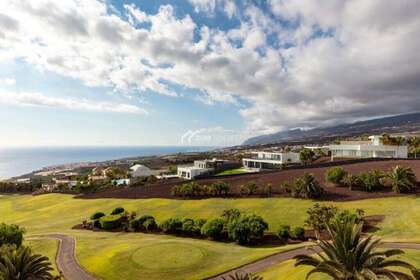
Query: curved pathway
[(66, 259), (265, 263)]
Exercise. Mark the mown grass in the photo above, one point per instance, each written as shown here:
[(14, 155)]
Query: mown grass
[(45, 247), (287, 271), (232, 172), (117, 255)]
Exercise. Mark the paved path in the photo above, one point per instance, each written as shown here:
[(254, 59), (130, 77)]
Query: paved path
[(265, 263), (66, 260)]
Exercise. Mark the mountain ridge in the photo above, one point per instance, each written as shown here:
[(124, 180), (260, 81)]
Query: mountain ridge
[(394, 124)]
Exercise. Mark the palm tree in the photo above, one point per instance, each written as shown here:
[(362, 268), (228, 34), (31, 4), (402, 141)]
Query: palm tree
[(415, 144), (350, 257), (402, 179), (243, 276), (21, 264), (307, 187)]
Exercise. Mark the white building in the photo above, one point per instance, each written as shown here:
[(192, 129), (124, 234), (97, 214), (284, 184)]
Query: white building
[(373, 148), (201, 167), (139, 170), (270, 160)]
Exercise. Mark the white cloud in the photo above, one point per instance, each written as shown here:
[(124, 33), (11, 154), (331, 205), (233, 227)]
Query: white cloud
[(334, 61), (213, 136), (7, 81), (42, 100)]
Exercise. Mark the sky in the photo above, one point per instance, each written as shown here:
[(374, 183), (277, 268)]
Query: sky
[(200, 72)]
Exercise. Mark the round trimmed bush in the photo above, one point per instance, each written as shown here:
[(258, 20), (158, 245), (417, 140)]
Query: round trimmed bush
[(110, 222), (247, 228), (150, 224), (117, 210), (298, 233), (213, 228), (335, 175), (97, 215), (284, 232), (171, 225)]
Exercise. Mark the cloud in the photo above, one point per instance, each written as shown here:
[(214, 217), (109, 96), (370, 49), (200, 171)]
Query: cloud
[(7, 82), (42, 100), (212, 136), (299, 63)]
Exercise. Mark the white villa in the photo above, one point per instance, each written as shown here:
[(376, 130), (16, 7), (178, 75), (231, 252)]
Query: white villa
[(373, 148), (201, 167), (140, 170), (270, 160)]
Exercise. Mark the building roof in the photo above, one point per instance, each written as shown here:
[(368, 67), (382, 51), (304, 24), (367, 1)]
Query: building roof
[(139, 166)]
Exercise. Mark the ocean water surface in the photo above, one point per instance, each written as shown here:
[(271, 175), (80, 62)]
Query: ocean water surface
[(18, 161)]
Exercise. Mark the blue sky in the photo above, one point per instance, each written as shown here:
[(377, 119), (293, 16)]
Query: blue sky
[(200, 72)]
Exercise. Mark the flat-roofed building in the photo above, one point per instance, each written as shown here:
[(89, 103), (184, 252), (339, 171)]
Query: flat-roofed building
[(270, 160)]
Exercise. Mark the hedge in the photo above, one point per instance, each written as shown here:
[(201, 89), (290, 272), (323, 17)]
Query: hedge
[(110, 221)]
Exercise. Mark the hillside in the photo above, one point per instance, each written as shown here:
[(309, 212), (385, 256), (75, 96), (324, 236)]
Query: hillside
[(395, 124)]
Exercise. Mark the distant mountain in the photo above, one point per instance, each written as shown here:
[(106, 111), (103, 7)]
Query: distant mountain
[(395, 124)]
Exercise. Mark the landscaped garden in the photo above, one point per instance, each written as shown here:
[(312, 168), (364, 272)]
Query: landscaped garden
[(116, 255)]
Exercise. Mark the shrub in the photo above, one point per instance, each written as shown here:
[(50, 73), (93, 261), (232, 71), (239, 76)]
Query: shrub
[(268, 189), (110, 222), (117, 210), (187, 190), (371, 181), (298, 233), (249, 188), (11, 235), (319, 216), (284, 232), (347, 215), (171, 225), (188, 226), (97, 224), (219, 189), (213, 228), (97, 215), (307, 187), (247, 228), (352, 181), (150, 224), (402, 179), (335, 175)]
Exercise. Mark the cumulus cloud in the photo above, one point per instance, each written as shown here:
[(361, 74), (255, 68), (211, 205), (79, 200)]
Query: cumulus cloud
[(42, 100), (332, 61)]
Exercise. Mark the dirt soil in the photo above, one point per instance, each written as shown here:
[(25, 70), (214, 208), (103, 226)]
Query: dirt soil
[(163, 189)]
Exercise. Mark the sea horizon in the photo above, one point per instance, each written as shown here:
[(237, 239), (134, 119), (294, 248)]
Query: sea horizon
[(17, 161)]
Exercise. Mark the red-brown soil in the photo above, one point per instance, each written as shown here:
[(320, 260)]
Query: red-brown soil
[(163, 189)]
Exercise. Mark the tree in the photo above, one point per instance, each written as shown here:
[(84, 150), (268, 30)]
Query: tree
[(22, 264), (306, 155), (414, 143), (371, 181), (349, 256), (213, 228), (11, 235), (402, 179), (242, 276), (307, 187), (247, 228), (319, 216)]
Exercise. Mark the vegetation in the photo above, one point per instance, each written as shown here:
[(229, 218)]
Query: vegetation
[(232, 172), (97, 215), (21, 263), (306, 156), (249, 188), (402, 179), (247, 228), (335, 175), (192, 189), (319, 216), (352, 181), (213, 228), (117, 210), (11, 235), (110, 222), (298, 233), (372, 181), (304, 187), (243, 276), (349, 256), (171, 225), (284, 232)]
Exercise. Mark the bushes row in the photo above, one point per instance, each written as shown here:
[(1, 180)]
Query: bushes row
[(193, 189), (401, 179), (285, 232)]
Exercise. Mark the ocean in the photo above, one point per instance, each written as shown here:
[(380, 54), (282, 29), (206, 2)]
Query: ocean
[(19, 161)]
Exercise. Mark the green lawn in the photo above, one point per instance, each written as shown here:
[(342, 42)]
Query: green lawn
[(232, 172), (46, 247), (123, 256), (287, 270)]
